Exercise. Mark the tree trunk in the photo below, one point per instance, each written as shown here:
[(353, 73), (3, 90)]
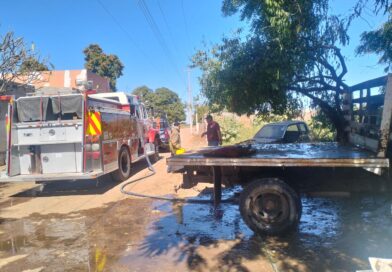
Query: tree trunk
[(337, 119), (334, 115)]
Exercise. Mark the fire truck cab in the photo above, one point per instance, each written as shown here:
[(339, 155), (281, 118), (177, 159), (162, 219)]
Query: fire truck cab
[(138, 111)]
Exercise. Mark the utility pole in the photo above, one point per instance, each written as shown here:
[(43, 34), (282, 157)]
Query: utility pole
[(190, 101), (196, 104), (197, 122)]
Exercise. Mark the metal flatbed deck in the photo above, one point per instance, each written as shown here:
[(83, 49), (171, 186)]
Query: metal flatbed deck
[(286, 155)]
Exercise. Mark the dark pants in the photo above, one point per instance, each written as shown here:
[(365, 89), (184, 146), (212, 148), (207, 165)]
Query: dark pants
[(213, 143)]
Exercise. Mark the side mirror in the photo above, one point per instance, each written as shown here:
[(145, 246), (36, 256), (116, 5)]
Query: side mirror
[(133, 110)]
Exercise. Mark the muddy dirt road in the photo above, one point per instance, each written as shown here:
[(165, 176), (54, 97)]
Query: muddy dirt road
[(90, 226)]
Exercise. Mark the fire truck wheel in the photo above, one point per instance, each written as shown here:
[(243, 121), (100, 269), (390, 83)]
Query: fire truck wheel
[(124, 166), (270, 206)]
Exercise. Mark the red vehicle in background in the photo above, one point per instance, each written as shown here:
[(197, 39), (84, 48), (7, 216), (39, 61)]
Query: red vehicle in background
[(162, 125)]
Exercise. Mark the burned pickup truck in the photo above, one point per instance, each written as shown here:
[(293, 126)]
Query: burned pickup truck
[(274, 176)]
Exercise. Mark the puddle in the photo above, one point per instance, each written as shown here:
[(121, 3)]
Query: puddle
[(88, 241), (336, 235), (143, 235)]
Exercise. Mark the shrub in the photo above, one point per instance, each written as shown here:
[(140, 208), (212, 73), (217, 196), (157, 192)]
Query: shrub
[(321, 131), (230, 129)]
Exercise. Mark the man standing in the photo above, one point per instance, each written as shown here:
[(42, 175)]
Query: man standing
[(214, 136), (175, 139)]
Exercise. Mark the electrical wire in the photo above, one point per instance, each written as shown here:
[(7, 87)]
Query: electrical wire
[(158, 34), (185, 23), (167, 26), (127, 34)]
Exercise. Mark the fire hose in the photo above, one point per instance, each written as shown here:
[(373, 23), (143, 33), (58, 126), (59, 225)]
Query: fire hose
[(172, 199)]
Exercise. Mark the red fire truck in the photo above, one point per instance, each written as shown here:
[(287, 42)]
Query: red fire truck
[(74, 135)]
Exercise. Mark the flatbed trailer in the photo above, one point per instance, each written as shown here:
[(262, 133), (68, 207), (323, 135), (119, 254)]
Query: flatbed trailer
[(288, 155), (274, 176)]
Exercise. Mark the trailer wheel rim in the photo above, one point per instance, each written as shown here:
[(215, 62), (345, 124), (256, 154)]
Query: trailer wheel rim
[(268, 208), (124, 163)]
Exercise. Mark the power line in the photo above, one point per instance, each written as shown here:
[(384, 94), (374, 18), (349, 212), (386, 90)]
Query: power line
[(189, 48), (158, 35), (127, 34), (190, 99), (185, 23), (167, 25)]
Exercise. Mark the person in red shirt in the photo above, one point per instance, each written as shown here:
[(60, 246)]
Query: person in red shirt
[(214, 136)]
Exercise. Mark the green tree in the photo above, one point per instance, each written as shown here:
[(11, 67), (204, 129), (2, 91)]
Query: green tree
[(32, 64), (162, 100), (292, 51), (201, 108), (98, 62), (145, 94), (378, 41), (320, 129), (169, 102)]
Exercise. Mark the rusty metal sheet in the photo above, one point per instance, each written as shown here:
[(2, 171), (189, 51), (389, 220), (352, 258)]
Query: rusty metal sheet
[(289, 155), (385, 129), (380, 81)]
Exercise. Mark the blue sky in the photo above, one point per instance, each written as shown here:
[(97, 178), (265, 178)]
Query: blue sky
[(154, 57)]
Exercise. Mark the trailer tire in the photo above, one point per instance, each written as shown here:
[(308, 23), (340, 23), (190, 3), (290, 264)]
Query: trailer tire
[(124, 166), (269, 206)]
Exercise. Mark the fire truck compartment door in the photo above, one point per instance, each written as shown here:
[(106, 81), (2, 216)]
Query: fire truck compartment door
[(61, 158), (55, 134)]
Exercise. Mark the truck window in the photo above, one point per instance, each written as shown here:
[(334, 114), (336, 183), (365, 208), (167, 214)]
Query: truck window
[(292, 134), (130, 100), (145, 113), (140, 112), (113, 98), (292, 128), (133, 110), (302, 127), (271, 132)]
